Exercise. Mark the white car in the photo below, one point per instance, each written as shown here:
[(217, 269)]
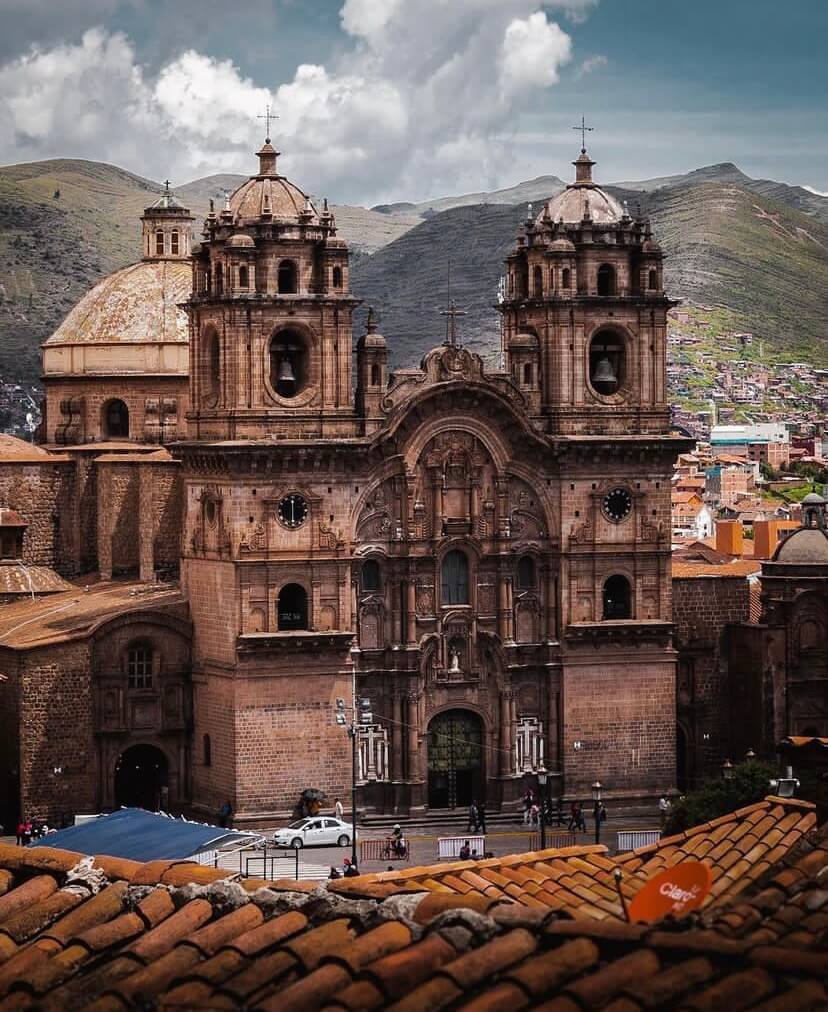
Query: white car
[(315, 831)]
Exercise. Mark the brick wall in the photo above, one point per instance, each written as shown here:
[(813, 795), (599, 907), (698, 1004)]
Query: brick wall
[(622, 711), (43, 495)]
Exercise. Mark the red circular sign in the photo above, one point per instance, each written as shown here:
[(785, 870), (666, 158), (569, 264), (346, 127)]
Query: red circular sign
[(672, 892)]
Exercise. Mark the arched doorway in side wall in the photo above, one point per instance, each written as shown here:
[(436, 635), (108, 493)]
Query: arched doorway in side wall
[(455, 759), (141, 778)]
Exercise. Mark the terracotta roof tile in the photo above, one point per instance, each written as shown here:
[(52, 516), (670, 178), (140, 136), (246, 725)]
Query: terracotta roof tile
[(734, 992), (115, 932), (363, 996), (502, 996), (37, 859), (6, 880), (309, 992), (116, 867), (155, 907), (654, 992), (35, 919), (436, 903), (219, 932), (401, 971), (806, 997), (97, 910), (172, 929), (270, 934), (32, 891), (542, 973)]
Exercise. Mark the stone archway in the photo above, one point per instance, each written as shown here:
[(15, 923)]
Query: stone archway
[(456, 769), (142, 778)]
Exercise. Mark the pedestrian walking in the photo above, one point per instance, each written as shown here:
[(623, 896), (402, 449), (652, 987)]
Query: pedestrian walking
[(339, 811), (481, 817), (664, 807), (20, 831), (528, 801), (473, 818)]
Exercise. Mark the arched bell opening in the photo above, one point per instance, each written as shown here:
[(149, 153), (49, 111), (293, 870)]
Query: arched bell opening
[(115, 419), (292, 608), (617, 598), (607, 362), (289, 363)]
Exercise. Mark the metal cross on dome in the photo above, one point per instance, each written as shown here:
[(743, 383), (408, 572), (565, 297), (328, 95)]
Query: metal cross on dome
[(584, 131), (451, 313), (267, 117)]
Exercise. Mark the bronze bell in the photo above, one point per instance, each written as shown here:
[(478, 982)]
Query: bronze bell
[(604, 373), (286, 374)]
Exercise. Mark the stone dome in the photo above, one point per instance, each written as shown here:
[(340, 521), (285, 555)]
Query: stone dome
[(813, 499), (572, 205), (14, 449), (806, 546), (562, 245), (274, 197), (138, 304), (241, 241)]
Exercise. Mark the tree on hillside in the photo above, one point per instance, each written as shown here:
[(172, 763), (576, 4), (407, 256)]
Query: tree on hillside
[(749, 783)]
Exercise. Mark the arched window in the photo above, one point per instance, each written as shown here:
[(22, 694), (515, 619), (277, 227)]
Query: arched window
[(617, 598), (287, 278), (526, 573), (652, 281), (174, 242), (337, 277), (219, 279), (455, 578), (607, 362), (139, 667), (213, 366), (606, 280), (208, 280), (538, 282), (159, 243), (565, 275), (207, 750), (370, 576), (288, 363), (527, 374), (292, 608), (375, 375), (244, 281), (116, 420)]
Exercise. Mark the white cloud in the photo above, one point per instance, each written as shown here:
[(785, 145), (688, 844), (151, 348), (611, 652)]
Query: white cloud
[(818, 193), (412, 106), (591, 63), (532, 51)]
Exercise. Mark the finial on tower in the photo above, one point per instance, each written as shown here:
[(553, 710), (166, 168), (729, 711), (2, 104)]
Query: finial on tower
[(451, 312), (371, 325), (584, 131), (267, 117)]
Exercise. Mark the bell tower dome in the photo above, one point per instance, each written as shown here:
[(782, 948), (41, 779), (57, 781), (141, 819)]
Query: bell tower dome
[(270, 316), (584, 282)]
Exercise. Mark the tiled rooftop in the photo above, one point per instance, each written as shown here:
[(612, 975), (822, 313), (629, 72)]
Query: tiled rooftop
[(112, 935)]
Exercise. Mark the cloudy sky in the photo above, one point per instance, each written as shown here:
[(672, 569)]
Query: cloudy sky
[(406, 99)]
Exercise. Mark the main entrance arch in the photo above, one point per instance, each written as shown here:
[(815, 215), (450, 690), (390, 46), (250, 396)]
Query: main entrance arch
[(455, 759), (141, 778)]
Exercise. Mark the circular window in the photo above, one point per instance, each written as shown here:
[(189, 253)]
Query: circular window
[(617, 505), (292, 511)]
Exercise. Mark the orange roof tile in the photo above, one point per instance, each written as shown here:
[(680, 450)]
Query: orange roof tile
[(543, 929)]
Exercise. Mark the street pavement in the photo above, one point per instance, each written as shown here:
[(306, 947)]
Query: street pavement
[(315, 862)]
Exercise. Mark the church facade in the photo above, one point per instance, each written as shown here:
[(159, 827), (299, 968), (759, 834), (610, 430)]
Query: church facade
[(472, 565)]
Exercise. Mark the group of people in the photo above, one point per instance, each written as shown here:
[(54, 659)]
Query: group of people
[(468, 853), (554, 815), (349, 869), (31, 829), (477, 817)]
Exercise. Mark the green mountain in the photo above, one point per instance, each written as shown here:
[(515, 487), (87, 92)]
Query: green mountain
[(726, 246), (755, 246)]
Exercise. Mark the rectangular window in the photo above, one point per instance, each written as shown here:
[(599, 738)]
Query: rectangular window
[(139, 668)]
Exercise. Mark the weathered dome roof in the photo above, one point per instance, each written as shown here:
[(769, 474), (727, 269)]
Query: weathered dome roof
[(136, 304), (12, 448), (813, 499), (806, 546), (562, 245), (274, 196), (572, 204), (241, 241), (18, 579)]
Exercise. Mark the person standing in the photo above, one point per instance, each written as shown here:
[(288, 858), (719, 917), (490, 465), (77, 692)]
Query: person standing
[(339, 811), (481, 817), (472, 827), (663, 810)]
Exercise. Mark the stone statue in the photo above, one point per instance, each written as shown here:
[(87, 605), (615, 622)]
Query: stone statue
[(454, 661)]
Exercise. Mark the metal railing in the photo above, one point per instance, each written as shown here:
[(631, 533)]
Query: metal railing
[(630, 839), (282, 862), (381, 850), (554, 840)]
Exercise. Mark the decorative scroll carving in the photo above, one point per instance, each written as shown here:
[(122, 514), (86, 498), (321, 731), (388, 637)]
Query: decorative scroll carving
[(649, 531), (425, 599), (253, 538), (582, 533), (328, 537)]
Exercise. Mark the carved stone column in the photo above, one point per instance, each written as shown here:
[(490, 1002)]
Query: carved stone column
[(502, 607), (397, 737), (410, 611), (505, 745), (146, 525), (551, 605), (413, 750)]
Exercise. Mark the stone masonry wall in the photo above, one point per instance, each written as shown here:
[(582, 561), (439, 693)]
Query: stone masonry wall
[(56, 721), (624, 709), (703, 609), (42, 494)]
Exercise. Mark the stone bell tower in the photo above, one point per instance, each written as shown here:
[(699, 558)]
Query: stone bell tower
[(585, 314), (270, 316), (166, 229)]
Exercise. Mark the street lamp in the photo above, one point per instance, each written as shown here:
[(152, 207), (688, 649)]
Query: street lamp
[(353, 732), (785, 787), (543, 780), (750, 755), (727, 770), (596, 809)]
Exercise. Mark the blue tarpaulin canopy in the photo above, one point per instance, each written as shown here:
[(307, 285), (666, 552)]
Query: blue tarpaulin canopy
[(143, 836)]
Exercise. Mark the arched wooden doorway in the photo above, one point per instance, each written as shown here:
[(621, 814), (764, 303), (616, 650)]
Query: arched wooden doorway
[(141, 778), (455, 759)]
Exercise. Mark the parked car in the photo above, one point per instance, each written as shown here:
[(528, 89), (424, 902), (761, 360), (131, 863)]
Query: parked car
[(316, 831)]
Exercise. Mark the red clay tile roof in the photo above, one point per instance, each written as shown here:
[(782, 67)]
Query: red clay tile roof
[(740, 568), (114, 936)]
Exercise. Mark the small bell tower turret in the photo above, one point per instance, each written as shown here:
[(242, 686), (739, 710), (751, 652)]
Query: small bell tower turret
[(166, 229)]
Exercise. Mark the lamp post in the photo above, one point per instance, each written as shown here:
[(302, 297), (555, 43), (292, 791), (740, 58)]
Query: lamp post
[(543, 780), (750, 755), (596, 809), (353, 732), (727, 770)]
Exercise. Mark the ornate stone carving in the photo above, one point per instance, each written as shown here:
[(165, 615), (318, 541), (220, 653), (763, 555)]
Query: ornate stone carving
[(425, 599), (253, 538), (582, 533), (328, 538)]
